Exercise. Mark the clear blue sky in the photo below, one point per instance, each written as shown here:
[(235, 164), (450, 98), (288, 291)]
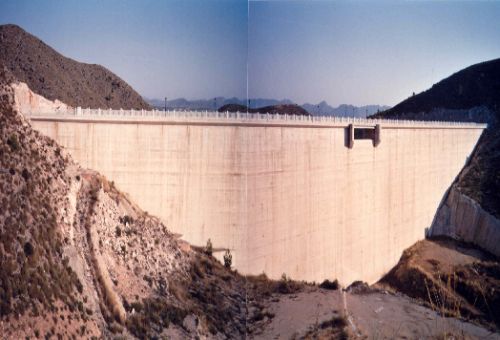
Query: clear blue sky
[(356, 52), (365, 52), (174, 48)]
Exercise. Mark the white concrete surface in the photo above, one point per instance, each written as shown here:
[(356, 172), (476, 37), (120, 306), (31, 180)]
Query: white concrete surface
[(284, 196)]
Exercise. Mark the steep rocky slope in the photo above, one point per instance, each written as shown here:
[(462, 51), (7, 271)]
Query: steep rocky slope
[(468, 95), (77, 258), (54, 76)]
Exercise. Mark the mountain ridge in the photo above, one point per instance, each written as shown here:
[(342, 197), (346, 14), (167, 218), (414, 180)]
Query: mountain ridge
[(469, 95), (54, 76)]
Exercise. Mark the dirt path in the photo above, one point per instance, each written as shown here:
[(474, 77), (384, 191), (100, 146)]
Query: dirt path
[(294, 314), (373, 315)]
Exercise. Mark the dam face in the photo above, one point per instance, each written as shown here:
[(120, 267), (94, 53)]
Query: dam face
[(288, 195)]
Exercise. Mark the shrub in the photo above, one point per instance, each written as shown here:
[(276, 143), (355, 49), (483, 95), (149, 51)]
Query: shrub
[(28, 249), (126, 220), (26, 174), (228, 259), (331, 285), (13, 143), (209, 248)]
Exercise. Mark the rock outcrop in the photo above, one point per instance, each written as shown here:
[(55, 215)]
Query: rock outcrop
[(462, 218)]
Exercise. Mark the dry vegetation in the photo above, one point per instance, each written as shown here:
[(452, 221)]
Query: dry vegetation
[(452, 278)]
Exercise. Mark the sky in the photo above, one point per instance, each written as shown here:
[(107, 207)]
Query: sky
[(365, 52), (162, 48), (353, 52)]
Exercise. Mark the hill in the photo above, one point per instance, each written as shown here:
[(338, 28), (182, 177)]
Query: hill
[(472, 95), (273, 109), (50, 74), (344, 110)]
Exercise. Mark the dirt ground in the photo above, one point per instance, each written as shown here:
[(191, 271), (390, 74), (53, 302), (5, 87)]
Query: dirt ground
[(434, 292)]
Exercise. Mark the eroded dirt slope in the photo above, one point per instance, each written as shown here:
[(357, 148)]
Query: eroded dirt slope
[(452, 278)]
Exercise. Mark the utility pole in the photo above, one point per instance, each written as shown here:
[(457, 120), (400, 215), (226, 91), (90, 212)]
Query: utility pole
[(165, 104)]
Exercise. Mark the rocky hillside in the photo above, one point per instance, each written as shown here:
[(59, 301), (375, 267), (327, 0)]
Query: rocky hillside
[(274, 109), (475, 86), (468, 95), (78, 259), (50, 74)]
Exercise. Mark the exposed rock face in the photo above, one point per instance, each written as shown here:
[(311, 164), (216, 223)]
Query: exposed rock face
[(462, 218), (27, 101), (54, 76)]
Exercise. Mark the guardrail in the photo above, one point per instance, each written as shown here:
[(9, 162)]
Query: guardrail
[(179, 115)]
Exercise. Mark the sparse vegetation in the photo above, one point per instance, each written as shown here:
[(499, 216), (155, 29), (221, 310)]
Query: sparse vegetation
[(331, 285), (209, 248), (13, 143), (334, 328), (154, 314), (469, 290), (228, 259)]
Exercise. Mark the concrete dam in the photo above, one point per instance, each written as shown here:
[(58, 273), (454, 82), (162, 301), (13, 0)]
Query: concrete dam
[(312, 197)]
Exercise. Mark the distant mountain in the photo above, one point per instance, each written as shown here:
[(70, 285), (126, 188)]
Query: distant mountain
[(344, 110), (214, 103), (321, 109), (290, 109), (50, 74), (472, 94)]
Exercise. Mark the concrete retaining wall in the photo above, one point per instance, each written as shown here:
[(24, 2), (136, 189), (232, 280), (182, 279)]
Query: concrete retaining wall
[(285, 197), (462, 218)]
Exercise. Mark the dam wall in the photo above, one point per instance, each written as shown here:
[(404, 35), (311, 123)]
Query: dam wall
[(312, 197)]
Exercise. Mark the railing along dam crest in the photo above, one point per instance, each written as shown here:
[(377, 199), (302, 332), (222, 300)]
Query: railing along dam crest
[(187, 115)]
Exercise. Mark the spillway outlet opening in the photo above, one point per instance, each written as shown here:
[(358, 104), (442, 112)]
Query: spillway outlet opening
[(360, 133)]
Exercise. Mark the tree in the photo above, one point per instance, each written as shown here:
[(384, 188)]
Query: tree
[(209, 248), (228, 259)]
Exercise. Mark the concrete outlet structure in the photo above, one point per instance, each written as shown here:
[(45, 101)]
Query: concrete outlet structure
[(312, 198)]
